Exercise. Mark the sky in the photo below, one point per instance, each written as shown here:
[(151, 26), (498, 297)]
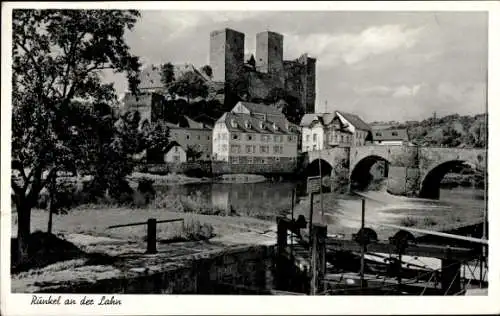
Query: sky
[(380, 65)]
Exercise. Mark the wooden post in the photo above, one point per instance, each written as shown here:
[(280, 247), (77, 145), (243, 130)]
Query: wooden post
[(151, 238), (318, 258), (362, 268), (450, 276), (281, 260), (311, 212)]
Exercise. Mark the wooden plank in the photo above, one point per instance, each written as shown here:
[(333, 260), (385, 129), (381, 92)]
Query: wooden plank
[(145, 223), (318, 258), (346, 282), (419, 250), (440, 234)]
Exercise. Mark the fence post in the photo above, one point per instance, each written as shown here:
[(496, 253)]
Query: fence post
[(318, 258), (151, 238), (450, 275), (281, 259)]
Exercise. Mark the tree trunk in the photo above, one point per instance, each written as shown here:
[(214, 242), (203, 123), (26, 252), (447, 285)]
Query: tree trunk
[(23, 231), (52, 193)]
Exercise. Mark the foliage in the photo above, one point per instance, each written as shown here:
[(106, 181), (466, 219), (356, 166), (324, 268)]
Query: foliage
[(448, 131), (57, 59), (167, 74), (207, 70), (193, 153), (189, 85), (156, 139)]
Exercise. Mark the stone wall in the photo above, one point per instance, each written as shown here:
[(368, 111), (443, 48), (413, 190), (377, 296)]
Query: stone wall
[(210, 273), (221, 167)]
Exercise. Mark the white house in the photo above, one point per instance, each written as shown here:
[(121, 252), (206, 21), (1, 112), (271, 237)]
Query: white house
[(254, 133), (327, 130), (390, 136), (175, 153)]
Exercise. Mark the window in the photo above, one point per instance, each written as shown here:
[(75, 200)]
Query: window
[(281, 138), (224, 148), (315, 137), (277, 158), (198, 137), (290, 138), (235, 160), (249, 137), (235, 136), (314, 147), (248, 149), (263, 138), (276, 138), (177, 158), (378, 134), (250, 160), (308, 137), (394, 133), (208, 137), (307, 148), (342, 138), (176, 149), (276, 149), (254, 148), (264, 149), (235, 149), (188, 136), (224, 136)]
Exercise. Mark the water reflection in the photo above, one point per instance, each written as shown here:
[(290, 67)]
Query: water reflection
[(239, 196)]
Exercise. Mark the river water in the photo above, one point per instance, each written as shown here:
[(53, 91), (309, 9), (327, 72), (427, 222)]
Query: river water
[(268, 199)]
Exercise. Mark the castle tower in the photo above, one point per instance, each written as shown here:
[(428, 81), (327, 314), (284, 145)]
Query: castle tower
[(226, 54), (269, 53)]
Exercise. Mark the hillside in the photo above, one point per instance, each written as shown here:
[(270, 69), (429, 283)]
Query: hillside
[(448, 131)]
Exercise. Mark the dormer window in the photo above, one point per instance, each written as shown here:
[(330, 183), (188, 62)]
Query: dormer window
[(275, 127), (247, 124), (233, 123), (261, 125), (287, 126), (394, 133)]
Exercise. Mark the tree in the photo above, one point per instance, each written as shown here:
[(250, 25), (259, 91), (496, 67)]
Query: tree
[(193, 153), (167, 74), (189, 85), (156, 141), (207, 70), (58, 56)]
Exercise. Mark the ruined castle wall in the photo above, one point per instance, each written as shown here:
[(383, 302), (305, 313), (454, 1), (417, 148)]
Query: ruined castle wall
[(259, 84)]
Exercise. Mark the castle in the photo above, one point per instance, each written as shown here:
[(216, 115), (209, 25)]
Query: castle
[(251, 79), (264, 72)]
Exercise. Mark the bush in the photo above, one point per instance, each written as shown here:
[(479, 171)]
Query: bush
[(409, 221), (190, 231), (429, 221)]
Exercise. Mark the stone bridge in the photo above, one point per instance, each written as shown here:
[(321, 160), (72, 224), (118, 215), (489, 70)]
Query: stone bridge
[(411, 170)]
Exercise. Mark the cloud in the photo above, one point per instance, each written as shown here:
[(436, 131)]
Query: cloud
[(404, 91), (401, 91), (352, 48)]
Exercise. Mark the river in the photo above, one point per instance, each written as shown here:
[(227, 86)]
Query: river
[(268, 199)]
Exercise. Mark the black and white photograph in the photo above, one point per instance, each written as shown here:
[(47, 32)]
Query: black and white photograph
[(288, 152)]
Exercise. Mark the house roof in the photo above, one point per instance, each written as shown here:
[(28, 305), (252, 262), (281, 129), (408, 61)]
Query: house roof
[(355, 121), (390, 134), (171, 145), (255, 124), (324, 118), (187, 122), (150, 77), (261, 108)]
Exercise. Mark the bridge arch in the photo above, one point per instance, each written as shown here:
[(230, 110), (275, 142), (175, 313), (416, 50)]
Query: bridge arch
[(431, 180), (361, 176), (313, 167)]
